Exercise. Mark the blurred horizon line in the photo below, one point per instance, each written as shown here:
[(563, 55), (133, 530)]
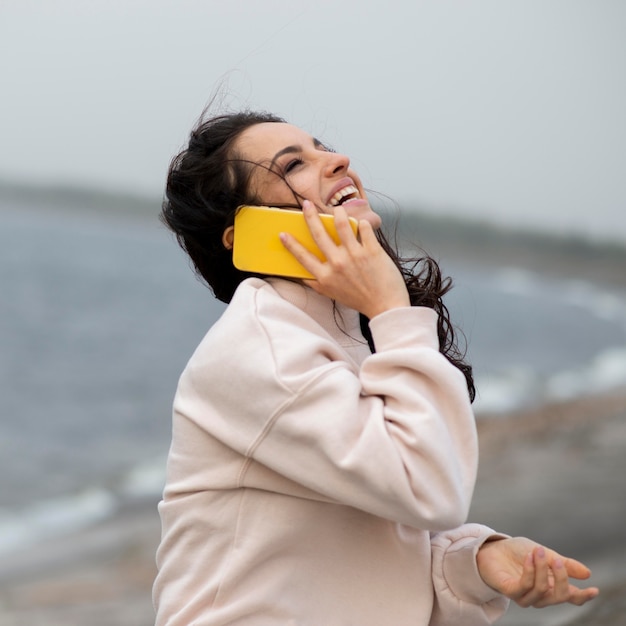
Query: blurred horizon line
[(97, 199)]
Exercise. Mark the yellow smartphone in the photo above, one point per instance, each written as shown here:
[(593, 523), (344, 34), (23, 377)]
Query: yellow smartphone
[(257, 246)]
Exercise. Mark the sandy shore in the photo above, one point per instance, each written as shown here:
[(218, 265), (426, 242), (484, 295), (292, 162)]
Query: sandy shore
[(98, 576), (555, 474)]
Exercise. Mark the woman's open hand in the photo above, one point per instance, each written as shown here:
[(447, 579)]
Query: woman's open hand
[(357, 272), (532, 575)]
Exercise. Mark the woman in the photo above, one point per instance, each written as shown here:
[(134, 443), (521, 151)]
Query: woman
[(324, 449)]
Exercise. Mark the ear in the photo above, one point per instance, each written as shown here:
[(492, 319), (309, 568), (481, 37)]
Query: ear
[(228, 237)]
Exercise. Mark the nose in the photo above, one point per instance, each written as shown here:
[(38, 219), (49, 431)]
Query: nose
[(336, 163)]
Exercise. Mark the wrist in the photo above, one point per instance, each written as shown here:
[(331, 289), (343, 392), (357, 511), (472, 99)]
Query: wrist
[(485, 554), (383, 307)]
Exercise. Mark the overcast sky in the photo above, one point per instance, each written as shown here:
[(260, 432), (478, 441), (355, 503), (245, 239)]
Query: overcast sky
[(512, 110)]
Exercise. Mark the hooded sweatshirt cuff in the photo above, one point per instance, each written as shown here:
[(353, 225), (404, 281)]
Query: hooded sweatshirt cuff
[(454, 563), (398, 327)]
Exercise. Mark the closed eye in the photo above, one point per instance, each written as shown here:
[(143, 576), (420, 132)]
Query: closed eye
[(292, 165)]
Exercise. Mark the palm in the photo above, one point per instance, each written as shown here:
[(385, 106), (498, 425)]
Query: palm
[(504, 568)]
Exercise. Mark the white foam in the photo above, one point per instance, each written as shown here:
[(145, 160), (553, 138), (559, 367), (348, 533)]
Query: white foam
[(54, 517), (602, 304), (518, 388), (506, 391), (605, 372), (567, 385), (608, 369), (145, 480), (63, 515), (502, 392)]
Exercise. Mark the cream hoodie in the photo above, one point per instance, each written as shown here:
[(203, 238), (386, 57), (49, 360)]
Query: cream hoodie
[(310, 482)]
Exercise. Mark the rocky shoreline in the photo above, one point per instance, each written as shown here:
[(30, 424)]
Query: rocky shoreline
[(555, 474)]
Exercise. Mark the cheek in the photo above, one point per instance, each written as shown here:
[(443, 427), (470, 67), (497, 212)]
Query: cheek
[(273, 192), (306, 186), (285, 195), (279, 191)]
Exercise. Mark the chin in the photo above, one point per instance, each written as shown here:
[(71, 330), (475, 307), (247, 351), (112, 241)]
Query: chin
[(369, 216), (361, 210), (374, 219)]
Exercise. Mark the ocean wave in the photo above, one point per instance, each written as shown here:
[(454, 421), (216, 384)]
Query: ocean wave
[(64, 515), (605, 372), (506, 391), (520, 386), (49, 518)]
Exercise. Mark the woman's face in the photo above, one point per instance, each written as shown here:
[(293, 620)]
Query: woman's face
[(290, 160)]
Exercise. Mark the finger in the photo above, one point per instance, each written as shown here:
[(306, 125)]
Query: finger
[(560, 581), (580, 596), (344, 229), (367, 235), (541, 584), (576, 569), (316, 227), (526, 581), (574, 596), (560, 590), (542, 570), (306, 258)]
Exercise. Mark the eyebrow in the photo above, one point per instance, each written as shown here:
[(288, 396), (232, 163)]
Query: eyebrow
[(291, 150)]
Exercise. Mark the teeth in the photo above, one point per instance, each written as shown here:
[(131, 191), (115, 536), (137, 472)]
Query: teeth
[(342, 193)]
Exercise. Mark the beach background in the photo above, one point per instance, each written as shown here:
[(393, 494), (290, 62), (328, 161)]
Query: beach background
[(100, 312), (494, 136)]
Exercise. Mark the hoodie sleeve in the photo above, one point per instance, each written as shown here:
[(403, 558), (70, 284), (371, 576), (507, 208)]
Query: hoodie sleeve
[(394, 437), (461, 596)]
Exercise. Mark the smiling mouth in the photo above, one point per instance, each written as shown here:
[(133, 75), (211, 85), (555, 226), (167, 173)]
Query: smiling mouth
[(349, 192)]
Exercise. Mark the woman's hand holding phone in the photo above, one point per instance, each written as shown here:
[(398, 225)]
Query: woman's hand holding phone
[(357, 273)]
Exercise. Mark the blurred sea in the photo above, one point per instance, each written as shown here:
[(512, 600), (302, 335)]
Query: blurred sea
[(98, 316)]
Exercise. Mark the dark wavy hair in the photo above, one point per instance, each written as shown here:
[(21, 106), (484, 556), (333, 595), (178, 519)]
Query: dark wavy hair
[(206, 183)]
